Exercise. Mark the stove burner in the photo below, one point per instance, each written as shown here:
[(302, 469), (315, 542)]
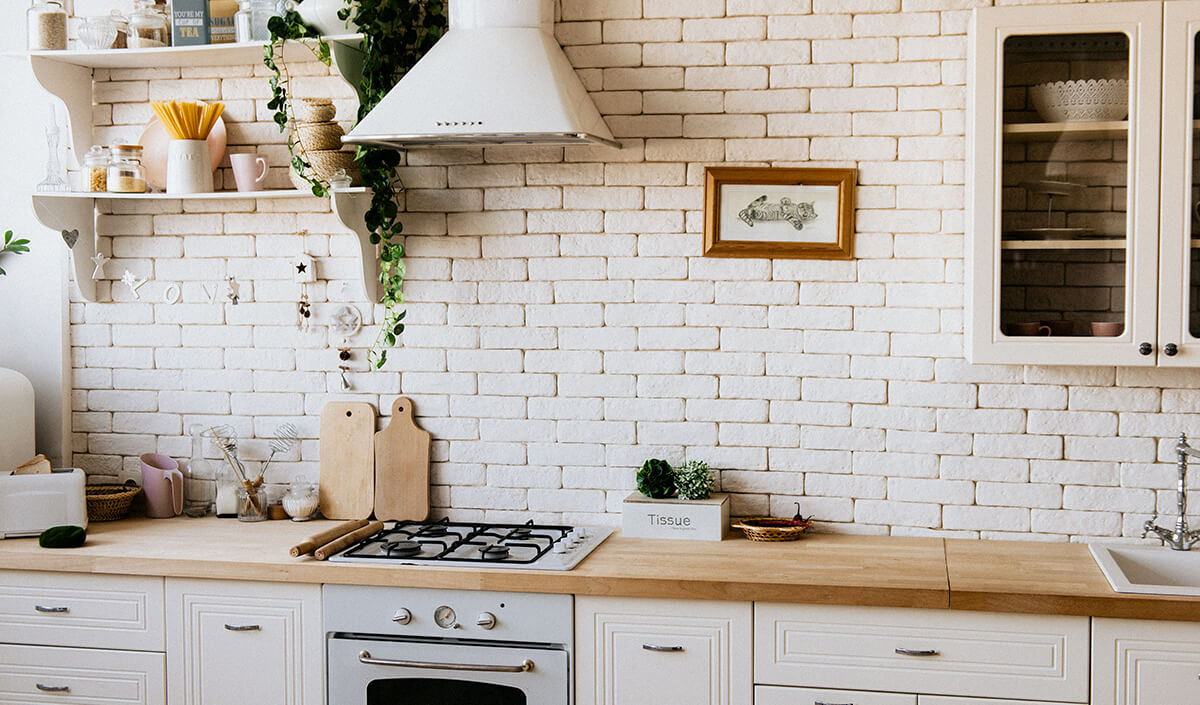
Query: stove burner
[(402, 548), (494, 552), (520, 533), (434, 530)]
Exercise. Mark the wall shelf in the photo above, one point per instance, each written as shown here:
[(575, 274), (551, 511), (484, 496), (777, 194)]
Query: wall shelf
[(1078, 131), (1104, 244), (77, 212)]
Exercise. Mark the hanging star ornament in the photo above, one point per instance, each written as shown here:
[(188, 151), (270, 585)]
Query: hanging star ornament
[(99, 260), (132, 281)]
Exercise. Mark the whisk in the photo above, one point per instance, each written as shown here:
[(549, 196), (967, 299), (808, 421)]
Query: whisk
[(187, 120), (286, 437)]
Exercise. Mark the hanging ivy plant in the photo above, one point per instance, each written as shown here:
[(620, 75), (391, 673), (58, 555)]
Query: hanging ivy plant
[(396, 34)]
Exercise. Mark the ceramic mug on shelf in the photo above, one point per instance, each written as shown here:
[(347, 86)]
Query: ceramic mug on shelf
[(1043, 328), (162, 483), (249, 171), (1107, 329)]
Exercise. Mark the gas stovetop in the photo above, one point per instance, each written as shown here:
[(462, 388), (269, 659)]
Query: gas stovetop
[(471, 544)]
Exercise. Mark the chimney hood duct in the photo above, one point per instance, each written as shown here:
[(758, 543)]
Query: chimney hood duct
[(498, 76)]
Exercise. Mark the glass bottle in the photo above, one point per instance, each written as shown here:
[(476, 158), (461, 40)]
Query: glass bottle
[(243, 23), (148, 28), (55, 173), (95, 168), (200, 474), (126, 173), (47, 26)]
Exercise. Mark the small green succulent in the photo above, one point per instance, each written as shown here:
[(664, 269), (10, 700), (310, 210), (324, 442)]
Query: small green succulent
[(694, 480), (656, 479)]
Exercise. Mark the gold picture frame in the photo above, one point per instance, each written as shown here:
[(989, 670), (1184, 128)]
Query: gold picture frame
[(787, 213)]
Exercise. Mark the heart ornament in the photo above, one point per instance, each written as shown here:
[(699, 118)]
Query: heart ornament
[(70, 237)]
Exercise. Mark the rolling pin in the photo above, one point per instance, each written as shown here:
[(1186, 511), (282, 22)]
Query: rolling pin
[(315, 541), (353, 537)]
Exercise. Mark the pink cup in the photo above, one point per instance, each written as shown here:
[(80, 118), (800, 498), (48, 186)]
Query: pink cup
[(249, 171), (162, 484)]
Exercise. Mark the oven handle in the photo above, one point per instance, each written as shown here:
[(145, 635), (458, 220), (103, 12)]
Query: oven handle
[(365, 657)]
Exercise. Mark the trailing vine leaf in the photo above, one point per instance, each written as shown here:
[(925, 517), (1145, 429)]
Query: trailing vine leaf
[(396, 34), (15, 246)]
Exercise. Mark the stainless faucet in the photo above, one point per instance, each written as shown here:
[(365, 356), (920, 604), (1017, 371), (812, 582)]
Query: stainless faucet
[(1181, 539)]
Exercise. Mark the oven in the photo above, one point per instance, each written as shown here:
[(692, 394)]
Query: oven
[(447, 647)]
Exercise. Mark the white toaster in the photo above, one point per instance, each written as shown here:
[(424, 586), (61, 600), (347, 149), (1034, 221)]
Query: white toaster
[(30, 504)]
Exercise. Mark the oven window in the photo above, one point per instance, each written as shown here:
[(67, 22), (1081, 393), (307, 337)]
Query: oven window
[(440, 691)]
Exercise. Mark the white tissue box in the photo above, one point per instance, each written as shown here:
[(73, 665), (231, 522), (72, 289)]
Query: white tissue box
[(689, 519)]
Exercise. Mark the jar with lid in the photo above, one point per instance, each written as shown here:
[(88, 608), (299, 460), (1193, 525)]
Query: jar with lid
[(122, 24), (125, 172), (47, 25), (250, 22), (148, 28), (301, 500), (95, 168)]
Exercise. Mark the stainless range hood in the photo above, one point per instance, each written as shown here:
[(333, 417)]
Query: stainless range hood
[(497, 76)]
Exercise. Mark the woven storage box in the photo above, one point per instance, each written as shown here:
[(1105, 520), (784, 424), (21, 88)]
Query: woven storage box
[(109, 502), (325, 164), (313, 109), (314, 136)]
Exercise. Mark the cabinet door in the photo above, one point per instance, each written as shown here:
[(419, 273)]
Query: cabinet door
[(1063, 251), (1179, 268), (946, 700), (669, 652), (241, 642), (32, 675), (1139, 662)]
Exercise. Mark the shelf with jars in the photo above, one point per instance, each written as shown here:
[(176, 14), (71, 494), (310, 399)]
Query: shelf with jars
[(68, 76), (1084, 241)]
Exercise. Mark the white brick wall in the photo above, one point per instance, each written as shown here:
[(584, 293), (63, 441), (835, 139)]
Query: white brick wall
[(564, 327)]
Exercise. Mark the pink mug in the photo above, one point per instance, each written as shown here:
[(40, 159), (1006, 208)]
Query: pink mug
[(163, 485), (249, 171)]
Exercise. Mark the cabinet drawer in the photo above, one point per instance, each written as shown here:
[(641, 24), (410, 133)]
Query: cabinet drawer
[(32, 675), (776, 695), (951, 700), (75, 609), (670, 652), (922, 651)]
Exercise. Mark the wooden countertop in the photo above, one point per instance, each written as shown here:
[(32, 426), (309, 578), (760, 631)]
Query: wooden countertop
[(1000, 576)]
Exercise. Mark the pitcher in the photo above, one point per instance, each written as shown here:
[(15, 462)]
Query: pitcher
[(163, 484)]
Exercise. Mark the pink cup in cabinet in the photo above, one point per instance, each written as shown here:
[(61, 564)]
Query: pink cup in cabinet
[(162, 484)]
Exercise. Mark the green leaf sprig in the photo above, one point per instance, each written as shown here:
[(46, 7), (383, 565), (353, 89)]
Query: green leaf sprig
[(14, 246)]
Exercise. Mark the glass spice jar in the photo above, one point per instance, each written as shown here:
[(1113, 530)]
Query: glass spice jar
[(148, 28), (125, 172), (47, 26), (95, 168)]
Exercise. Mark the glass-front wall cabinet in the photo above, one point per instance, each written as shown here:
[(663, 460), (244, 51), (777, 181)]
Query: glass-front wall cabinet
[(1063, 253)]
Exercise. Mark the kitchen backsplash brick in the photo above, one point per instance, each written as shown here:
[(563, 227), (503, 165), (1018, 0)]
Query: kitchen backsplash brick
[(563, 326)]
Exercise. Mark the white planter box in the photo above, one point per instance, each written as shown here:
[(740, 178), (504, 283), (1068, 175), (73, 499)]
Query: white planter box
[(694, 520)]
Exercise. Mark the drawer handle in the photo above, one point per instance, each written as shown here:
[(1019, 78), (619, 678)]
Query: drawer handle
[(243, 627), (53, 610), (53, 688), (918, 652), (822, 702), (653, 647)]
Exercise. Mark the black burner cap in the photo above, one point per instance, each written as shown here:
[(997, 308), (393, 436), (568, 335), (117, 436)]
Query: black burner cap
[(494, 552), (433, 530), (520, 533), (402, 548)]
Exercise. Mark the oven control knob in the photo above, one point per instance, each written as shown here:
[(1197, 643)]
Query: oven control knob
[(560, 546), (486, 620), (402, 616), (581, 532)]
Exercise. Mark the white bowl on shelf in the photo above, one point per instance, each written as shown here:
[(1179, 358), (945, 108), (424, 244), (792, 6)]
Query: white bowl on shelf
[(1094, 99)]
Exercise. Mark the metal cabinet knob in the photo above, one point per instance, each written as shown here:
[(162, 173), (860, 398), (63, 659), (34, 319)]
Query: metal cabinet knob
[(1145, 348), (1170, 349), (402, 616), (487, 620)]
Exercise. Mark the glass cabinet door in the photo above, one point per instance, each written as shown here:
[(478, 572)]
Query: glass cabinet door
[(1179, 269), (1064, 252)]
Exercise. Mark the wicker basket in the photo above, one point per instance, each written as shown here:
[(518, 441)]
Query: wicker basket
[(755, 531), (109, 502), (313, 109), (315, 136), (325, 164)]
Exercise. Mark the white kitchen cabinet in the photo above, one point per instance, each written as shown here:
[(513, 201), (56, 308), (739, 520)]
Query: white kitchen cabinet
[(777, 695), (1084, 239), (81, 609), (32, 675), (922, 651), (1139, 662), (668, 652), (244, 642)]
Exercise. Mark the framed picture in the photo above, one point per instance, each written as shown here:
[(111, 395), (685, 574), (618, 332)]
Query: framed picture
[(789, 213)]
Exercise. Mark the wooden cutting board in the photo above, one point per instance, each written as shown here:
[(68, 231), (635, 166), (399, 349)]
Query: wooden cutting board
[(402, 467), (347, 486)]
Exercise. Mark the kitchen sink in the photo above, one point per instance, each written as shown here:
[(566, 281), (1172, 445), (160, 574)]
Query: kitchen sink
[(1151, 571)]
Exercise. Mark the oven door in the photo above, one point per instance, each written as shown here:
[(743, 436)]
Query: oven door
[(385, 672)]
